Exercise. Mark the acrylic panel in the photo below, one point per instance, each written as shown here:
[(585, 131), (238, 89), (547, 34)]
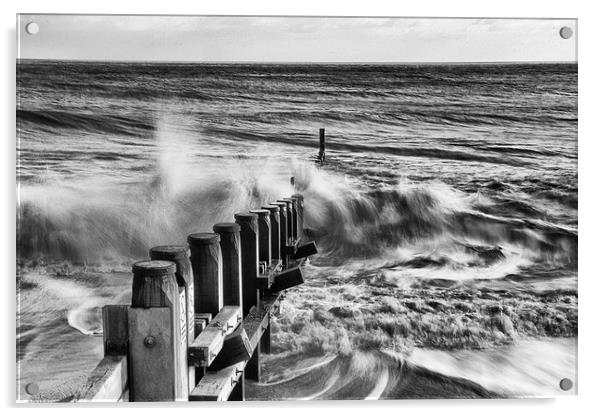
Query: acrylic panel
[(295, 208)]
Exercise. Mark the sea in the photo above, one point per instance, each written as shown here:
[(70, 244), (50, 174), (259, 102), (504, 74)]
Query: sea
[(445, 215)]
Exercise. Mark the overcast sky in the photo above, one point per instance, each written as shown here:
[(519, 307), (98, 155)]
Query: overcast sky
[(294, 39)]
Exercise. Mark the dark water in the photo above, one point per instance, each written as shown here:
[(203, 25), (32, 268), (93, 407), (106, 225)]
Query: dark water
[(446, 214)]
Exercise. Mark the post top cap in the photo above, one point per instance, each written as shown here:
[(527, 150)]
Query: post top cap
[(226, 227), (154, 267), (272, 207), (298, 196), (169, 252), (246, 217), (203, 239), (279, 203), (261, 212)]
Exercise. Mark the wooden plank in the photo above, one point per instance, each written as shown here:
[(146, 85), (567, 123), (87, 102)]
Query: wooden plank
[(115, 329), (217, 386), (153, 353), (108, 382), (236, 348), (287, 279), (305, 250), (209, 343), (257, 320)]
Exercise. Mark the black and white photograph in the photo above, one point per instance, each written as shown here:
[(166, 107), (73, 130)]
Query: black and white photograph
[(288, 208)]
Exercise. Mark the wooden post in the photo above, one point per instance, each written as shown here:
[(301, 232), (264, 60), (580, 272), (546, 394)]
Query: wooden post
[(229, 233), (157, 331), (253, 369), (300, 214), (322, 153), (266, 338), (289, 218), (274, 230), (292, 220), (179, 255), (249, 258), (264, 234), (206, 259), (238, 392), (283, 228)]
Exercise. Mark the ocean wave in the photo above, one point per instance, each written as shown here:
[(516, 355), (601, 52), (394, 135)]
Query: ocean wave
[(67, 120)]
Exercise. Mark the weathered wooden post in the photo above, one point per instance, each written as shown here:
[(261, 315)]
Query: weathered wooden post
[(264, 235), (249, 230), (229, 233), (274, 229), (249, 242), (232, 273), (206, 259), (300, 213), (179, 255), (283, 228), (157, 331), (289, 218), (293, 217)]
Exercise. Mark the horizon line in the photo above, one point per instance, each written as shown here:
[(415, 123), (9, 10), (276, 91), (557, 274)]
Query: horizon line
[(19, 60)]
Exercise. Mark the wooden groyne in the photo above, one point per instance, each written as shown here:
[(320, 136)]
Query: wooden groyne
[(199, 319)]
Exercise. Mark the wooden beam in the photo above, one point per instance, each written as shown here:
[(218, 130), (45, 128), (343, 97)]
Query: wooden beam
[(257, 320), (108, 381), (115, 329), (217, 386), (305, 250), (236, 348), (210, 341), (287, 279)]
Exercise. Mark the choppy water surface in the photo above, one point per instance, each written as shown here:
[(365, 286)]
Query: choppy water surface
[(446, 215)]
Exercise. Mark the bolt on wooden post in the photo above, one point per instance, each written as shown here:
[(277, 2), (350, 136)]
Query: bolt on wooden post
[(179, 255), (156, 335), (250, 258), (274, 230)]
